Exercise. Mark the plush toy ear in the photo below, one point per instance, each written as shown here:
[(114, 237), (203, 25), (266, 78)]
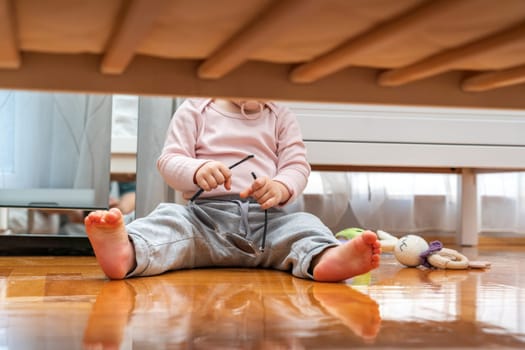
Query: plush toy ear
[(388, 241)]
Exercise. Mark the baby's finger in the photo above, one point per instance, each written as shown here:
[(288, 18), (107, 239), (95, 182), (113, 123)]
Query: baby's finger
[(224, 170), (259, 194), (262, 196), (204, 184), (268, 203), (218, 177), (246, 193), (228, 183), (259, 186)]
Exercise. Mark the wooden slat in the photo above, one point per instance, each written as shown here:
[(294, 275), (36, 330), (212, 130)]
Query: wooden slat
[(80, 73), (494, 80), (281, 16), (9, 55), (449, 59), (341, 57), (138, 18)]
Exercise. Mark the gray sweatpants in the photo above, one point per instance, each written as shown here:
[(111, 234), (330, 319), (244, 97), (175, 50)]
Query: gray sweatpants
[(228, 233)]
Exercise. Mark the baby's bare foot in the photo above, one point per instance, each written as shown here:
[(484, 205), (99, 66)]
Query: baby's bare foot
[(355, 257), (109, 239)]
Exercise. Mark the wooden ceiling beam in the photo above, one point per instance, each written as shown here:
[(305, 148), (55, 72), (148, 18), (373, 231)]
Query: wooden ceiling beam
[(452, 58), (279, 17), (341, 57), (9, 52), (137, 20), (494, 80)]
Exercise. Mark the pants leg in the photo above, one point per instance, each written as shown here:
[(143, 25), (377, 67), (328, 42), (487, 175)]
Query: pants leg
[(294, 240)]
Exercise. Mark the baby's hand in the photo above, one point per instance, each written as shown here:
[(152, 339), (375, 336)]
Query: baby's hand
[(213, 174), (267, 192)]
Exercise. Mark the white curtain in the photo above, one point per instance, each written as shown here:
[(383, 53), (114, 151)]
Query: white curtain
[(502, 200), (403, 203)]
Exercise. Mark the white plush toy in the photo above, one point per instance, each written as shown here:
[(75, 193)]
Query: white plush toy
[(412, 251)]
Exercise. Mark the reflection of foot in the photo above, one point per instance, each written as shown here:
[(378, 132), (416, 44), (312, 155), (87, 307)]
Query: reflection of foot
[(109, 239), (109, 316), (355, 257), (355, 310)]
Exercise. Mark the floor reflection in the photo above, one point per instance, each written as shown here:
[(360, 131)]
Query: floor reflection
[(267, 310), (420, 307)]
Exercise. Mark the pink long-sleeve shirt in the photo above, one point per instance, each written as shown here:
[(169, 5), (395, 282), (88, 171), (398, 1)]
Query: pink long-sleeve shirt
[(200, 132)]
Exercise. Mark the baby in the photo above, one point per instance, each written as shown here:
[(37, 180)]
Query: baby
[(238, 163)]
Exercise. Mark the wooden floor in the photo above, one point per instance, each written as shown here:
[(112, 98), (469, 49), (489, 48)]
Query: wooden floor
[(66, 303)]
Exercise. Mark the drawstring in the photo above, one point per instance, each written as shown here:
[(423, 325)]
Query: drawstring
[(244, 206)]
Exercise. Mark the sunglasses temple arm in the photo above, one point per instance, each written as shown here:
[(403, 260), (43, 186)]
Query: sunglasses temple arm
[(265, 222)]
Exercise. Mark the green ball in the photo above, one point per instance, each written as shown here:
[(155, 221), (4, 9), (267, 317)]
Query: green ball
[(349, 233)]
